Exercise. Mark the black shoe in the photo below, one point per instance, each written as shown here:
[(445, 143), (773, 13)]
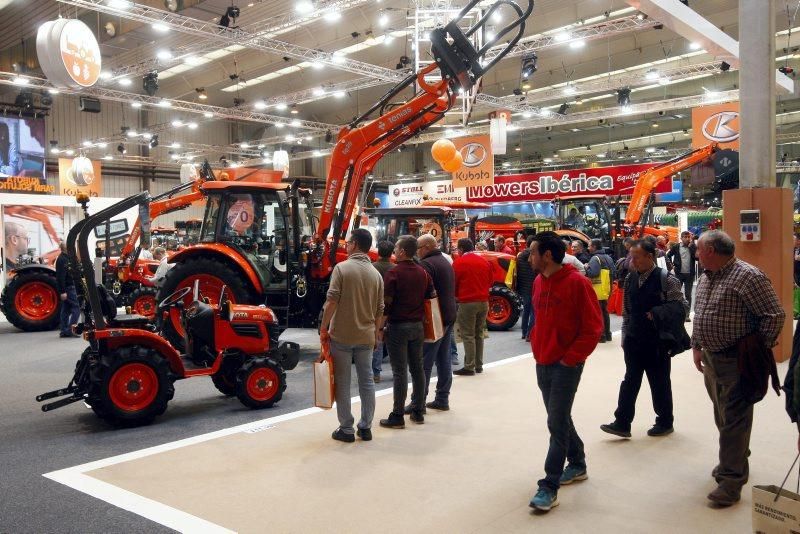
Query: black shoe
[(479, 369), (608, 337), (340, 435), (438, 405), (365, 434), (602, 340), (659, 430), (409, 409), (393, 421), (417, 417), (463, 372), (70, 334), (616, 429)]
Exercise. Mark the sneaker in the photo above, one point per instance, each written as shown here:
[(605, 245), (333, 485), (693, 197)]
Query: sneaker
[(616, 429), (723, 497), (573, 474), (409, 409), (341, 435), (417, 417), (365, 434), (393, 421), (438, 405), (544, 500), (463, 372), (659, 430), (376, 379)]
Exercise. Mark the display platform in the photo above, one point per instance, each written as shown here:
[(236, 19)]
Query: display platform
[(471, 469)]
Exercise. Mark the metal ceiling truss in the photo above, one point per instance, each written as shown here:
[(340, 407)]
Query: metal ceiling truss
[(309, 95)]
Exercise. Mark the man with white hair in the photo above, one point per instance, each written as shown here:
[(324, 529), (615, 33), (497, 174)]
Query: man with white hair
[(734, 299)]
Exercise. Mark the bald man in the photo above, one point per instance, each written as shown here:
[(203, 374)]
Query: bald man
[(17, 241)]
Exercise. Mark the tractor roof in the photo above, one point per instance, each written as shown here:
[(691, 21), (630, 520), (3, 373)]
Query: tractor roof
[(232, 185)]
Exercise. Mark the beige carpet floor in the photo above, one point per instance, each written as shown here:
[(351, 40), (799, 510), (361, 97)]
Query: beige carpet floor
[(472, 469)]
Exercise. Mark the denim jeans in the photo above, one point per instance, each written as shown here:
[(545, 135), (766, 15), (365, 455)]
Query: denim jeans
[(453, 349), (377, 358), (70, 310), (439, 353), (528, 318), (342, 356), (404, 341), (559, 384)]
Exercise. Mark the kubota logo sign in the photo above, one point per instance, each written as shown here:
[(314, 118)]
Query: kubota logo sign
[(473, 154), (716, 127), (478, 166), (718, 123)]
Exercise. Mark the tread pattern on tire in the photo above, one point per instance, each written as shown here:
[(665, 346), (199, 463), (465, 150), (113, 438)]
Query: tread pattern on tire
[(10, 292), (100, 375), (238, 288), (142, 291), (225, 379), (516, 307), (241, 382)]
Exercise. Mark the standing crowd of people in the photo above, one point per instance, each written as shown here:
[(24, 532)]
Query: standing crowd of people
[(564, 317)]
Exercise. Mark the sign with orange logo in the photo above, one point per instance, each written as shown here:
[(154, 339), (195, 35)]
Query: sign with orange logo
[(718, 123), (68, 53), (79, 175), (478, 167)]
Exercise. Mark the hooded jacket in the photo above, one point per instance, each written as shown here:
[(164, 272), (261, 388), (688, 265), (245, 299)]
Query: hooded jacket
[(568, 319)]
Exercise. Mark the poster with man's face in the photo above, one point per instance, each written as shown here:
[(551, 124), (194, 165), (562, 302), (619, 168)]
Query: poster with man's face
[(22, 154), (31, 235)]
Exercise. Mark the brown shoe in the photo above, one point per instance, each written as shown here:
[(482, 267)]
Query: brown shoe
[(376, 379), (723, 497)]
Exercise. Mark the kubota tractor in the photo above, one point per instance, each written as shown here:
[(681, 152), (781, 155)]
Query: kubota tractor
[(126, 375)]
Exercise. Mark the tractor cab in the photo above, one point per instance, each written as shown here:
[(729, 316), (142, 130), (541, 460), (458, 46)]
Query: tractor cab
[(388, 223), (588, 217)]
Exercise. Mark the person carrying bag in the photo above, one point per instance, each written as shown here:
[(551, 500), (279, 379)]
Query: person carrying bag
[(600, 269)]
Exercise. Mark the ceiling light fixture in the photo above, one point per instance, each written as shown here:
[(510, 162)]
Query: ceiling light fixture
[(281, 106), (304, 6), (121, 149), (580, 43), (529, 65), (624, 97), (201, 93), (164, 54), (260, 105), (150, 83), (153, 141), (136, 105), (192, 125), (161, 28), (208, 114), (561, 37), (339, 94)]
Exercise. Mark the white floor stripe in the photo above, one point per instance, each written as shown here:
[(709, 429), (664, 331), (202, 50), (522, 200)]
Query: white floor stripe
[(75, 477)]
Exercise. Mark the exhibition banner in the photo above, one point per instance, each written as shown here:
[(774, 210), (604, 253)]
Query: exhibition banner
[(717, 123), (478, 167), (413, 193), (31, 234), (537, 186), (22, 156), (79, 175)]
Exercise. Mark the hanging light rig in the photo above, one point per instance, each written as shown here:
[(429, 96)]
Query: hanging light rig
[(363, 142)]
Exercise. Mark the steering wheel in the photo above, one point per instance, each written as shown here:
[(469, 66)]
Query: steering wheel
[(174, 297)]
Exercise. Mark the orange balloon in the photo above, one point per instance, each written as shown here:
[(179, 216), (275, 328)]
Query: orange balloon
[(452, 165), (443, 150)]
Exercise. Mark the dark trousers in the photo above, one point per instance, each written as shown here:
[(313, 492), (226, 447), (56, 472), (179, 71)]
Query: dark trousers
[(644, 358), (70, 310), (606, 320), (688, 283), (733, 417), (404, 341), (559, 384), (438, 352), (528, 318)]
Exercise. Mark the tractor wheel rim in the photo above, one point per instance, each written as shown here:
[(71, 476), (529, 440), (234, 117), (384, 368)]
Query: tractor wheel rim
[(210, 286), (499, 310), (262, 384), (36, 301), (133, 387), (145, 305)]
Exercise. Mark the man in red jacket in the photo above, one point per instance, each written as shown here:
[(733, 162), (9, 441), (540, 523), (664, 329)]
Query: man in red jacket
[(568, 327), (473, 277)]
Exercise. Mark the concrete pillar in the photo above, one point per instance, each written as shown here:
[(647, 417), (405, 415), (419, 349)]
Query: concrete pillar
[(757, 93)]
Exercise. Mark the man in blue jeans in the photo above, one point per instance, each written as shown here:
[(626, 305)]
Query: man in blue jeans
[(564, 302), (351, 319), (70, 309)]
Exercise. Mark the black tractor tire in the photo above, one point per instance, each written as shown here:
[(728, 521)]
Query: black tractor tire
[(149, 301), (225, 378), (505, 307), (238, 290), (130, 386), (25, 321), (260, 383)]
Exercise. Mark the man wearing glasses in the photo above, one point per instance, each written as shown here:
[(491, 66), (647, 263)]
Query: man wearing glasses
[(17, 241)]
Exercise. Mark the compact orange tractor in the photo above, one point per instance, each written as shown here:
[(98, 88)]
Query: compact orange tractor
[(126, 375)]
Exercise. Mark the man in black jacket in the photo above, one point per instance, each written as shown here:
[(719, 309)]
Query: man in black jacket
[(443, 277), (525, 277), (644, 353), (70, 310), (683, 256)]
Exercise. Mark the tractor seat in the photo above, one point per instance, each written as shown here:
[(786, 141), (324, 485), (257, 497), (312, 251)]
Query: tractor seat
[(129, 320)]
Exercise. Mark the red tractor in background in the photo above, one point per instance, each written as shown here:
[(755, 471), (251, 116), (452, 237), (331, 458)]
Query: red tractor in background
[(126, 375), (260, 239)]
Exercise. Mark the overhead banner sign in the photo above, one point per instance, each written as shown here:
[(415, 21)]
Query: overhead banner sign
[(68, 53), (22, 156), (538, 186), (79, 175), (718, 123), (478, 167), (413, 193)]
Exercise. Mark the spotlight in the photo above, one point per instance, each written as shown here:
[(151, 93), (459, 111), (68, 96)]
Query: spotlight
[(529, 65), (238, 102), (403, 62), (231, 14), (173, 5), (54, 147), (154, 141), (624, 97), (121, 149), (562, 110), (517, 91), (150, 83), (24, 100), (724, 66), (328, 136), (201, 93), (47, 100)]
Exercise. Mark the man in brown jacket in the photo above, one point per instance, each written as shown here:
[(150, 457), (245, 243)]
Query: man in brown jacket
[(352, 316)]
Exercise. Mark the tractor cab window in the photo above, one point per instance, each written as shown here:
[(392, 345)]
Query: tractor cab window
[(394, 227), (588, 217), (208, 229)]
